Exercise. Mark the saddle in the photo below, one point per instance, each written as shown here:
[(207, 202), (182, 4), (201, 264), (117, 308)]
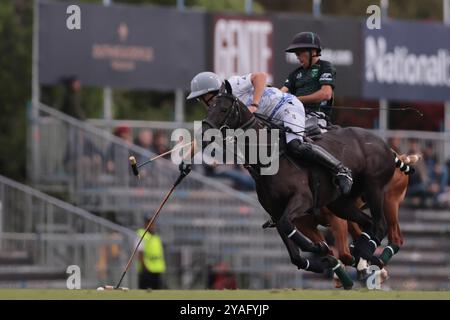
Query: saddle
[(313, 129)]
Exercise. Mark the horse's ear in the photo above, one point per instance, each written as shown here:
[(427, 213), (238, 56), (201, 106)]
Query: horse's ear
[(228, 87), (222, 89)]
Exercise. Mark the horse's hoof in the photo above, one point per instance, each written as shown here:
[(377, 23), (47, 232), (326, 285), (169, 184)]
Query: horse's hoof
[(384, 275), (348, 287), (337, 282)]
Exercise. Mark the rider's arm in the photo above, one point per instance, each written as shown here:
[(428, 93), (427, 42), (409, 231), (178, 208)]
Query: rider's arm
[(324, 94), (259, 81), (284, 89)]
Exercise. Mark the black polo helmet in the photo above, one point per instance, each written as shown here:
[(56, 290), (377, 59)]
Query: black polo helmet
[(305, 40)]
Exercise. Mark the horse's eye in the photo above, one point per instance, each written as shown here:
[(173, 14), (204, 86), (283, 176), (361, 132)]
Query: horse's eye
[(223, 110)]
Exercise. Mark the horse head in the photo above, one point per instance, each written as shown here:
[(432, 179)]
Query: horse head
[(228, 112)]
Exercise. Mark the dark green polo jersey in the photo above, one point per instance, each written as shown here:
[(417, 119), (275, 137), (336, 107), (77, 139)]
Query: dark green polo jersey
[(302, 82)]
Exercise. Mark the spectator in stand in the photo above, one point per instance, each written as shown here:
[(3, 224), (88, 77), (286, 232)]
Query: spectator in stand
[(118, 154), (72, 98), (438, 184), (145, 140), (429, 156), (220, 277), (161, 144), (448, 170)]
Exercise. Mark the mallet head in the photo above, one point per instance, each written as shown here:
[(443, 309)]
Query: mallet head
[(134, 167)]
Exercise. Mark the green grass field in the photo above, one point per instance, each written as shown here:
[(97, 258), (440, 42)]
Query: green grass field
[(281, 294)]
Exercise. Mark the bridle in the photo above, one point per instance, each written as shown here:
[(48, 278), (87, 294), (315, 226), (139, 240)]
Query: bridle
[(232, 113)]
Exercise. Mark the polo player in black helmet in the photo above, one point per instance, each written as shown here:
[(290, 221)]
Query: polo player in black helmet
[(312, 83)]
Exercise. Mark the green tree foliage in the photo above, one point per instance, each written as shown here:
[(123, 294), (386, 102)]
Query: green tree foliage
[(15, 84)]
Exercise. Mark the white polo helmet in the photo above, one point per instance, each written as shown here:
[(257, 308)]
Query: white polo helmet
[(203, 83)]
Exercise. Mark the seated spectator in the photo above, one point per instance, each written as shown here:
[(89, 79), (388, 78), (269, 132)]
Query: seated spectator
[(220, 277), (72, 98), (118, 154), (145, 140), (437, 184), (239, 176), (161, 144), (429, 156)]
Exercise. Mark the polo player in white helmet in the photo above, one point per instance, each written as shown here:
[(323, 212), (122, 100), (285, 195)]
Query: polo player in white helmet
[(252, 90)]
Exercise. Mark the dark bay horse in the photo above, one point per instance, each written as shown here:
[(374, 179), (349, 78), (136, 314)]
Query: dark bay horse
[(289, 194)]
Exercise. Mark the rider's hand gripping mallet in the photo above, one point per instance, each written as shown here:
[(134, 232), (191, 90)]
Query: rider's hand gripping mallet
[(182, 175), (135, 166)]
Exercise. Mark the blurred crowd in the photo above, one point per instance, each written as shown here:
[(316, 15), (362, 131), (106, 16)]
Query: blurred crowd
[(429, 186)]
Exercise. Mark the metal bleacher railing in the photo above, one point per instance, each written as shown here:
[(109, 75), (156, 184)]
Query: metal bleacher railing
[(41, 236), (205, 221)]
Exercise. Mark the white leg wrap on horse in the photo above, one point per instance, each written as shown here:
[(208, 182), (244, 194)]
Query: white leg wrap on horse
[(336, 267), (362, 264), (292, 233), (366, 235)]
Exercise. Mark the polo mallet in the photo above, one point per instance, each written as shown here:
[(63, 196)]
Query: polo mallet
[(182, 175), (135, 166)]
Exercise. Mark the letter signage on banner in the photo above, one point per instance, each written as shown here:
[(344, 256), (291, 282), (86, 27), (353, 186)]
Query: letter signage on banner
[(242, 45), (407, 61)]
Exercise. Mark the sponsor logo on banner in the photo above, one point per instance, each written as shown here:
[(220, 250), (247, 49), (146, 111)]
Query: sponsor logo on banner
[(400, 66), (242, 45), (338, 57), (122, 57)]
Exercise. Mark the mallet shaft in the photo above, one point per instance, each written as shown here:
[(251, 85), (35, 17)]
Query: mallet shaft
[(145, 232), (135, 166), (164, 153)]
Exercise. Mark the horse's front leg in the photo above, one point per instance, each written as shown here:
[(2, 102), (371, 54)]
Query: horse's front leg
[(371, 238), (286, 228), (339, 229), (391, 208), (364, 245), (317, 265)]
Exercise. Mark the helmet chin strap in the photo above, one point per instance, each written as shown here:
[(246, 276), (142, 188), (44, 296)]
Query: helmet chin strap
[(311, 56)]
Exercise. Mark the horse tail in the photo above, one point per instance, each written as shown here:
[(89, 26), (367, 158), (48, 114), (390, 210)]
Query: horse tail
[(403, 162), (412, 158)]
